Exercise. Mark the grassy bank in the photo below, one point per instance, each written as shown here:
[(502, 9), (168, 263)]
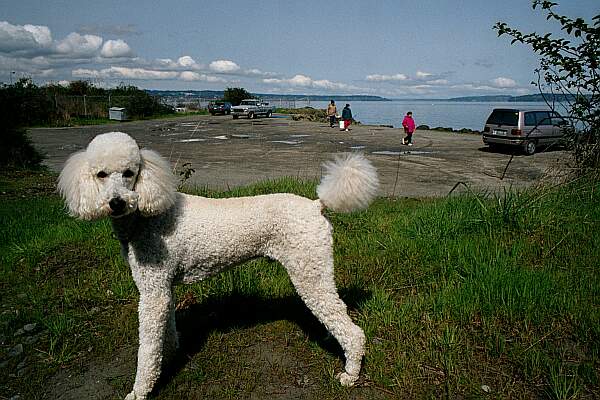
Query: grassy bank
[(461, 297)]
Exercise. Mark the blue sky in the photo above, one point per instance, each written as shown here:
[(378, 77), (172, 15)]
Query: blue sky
[(396, 49)]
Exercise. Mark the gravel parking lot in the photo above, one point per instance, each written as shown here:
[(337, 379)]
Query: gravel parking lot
[(228, 153)]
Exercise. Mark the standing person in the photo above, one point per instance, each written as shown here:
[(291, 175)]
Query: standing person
[(409, 127), (331, 113), (347, 117)]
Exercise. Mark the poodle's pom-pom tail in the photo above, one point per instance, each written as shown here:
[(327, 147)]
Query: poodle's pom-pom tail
[(349, 183)]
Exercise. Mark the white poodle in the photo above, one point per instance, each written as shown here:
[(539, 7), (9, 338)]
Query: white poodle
[(170, 237)]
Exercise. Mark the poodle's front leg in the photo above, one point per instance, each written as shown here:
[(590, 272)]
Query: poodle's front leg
[(172, 336), (154, 316)]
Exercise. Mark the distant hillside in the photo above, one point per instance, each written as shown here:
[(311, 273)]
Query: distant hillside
[(218, 94), (506, 98)]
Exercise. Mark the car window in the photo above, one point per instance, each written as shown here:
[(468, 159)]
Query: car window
[(503, 117), (556, 119), (543, 118), (530, 119)]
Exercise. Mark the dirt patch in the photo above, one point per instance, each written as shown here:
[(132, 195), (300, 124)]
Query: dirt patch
[(227, 153), (219, 359), (96, 379)]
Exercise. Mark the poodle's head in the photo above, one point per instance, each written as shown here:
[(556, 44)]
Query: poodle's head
[(113, 177)]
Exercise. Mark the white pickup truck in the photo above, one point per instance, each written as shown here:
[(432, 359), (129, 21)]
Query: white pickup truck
[(252, 108)]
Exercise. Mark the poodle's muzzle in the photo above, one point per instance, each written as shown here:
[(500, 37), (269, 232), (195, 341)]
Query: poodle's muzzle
[(118, 206), (119, 197)]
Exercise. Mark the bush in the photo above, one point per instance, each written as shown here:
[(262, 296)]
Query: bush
[(569, 67), (24, 104), (16, 149), (236, 95)]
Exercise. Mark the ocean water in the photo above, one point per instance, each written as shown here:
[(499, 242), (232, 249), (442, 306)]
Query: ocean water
[(448, 114)]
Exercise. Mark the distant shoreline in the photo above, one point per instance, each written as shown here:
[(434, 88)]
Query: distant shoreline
[(216, 94)]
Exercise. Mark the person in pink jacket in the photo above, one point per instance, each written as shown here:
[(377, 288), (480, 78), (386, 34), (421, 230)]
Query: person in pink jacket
[(408, 123)]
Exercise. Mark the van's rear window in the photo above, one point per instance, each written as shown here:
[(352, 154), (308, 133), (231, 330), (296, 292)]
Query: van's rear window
[(504, 117)]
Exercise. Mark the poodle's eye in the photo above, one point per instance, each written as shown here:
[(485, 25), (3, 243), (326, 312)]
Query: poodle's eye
[(128, 173), (101, 174)]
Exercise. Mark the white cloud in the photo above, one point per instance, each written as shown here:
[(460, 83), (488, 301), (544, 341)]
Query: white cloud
[(195, 76), (143, 74), (386, 78), (85, 73), (139, 73), (438, 82), (474, 87), (186, 61), (40, 33), (190, 76), (423, 75), (502, 82), (166, 62), (124, 73), (258, 72), (224, 66), (23, 37), (327, 84), (300, 80), (303, 81), (79, 45), (115, 48)]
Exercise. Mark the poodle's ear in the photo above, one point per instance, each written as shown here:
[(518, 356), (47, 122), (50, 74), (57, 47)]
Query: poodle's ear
[(155, 184), (78, 187)]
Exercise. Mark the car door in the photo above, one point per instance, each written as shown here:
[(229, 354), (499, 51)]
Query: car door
[(530, 128), (558, 125), (544, 126)]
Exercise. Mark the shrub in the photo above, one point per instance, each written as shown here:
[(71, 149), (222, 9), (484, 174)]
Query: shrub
[(236, 95), (16, 149), (569, 67)]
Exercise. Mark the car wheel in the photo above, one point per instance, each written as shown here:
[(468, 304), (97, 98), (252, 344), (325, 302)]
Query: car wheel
[(235, 117), (530, 147), (228, 112), (269, 113), (251, 115)]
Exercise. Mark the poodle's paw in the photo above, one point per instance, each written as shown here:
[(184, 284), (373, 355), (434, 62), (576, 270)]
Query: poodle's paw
[(346, 379), (133, 396)]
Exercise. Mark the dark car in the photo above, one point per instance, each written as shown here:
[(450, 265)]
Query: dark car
[(219, 107)]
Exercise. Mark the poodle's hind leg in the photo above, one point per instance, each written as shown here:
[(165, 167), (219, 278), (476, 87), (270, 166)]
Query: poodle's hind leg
[(312, 276)]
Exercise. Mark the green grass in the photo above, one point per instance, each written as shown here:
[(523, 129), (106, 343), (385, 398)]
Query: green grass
[(454, 294)]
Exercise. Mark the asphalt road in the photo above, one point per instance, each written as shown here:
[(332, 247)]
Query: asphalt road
[(227, 153)]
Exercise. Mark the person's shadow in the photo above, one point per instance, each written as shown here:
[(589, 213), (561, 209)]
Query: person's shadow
[(198, 321)]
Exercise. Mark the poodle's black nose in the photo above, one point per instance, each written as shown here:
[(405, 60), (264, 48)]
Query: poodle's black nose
[(117, 205)]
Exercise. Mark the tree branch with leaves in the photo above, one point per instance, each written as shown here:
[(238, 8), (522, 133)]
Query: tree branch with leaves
[(569, 66)]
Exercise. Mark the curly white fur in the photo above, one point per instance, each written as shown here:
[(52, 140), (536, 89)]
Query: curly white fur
[(350, 183), (169, 237)]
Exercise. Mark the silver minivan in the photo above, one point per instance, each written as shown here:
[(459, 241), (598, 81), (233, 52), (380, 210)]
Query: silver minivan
[(527, 129)]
